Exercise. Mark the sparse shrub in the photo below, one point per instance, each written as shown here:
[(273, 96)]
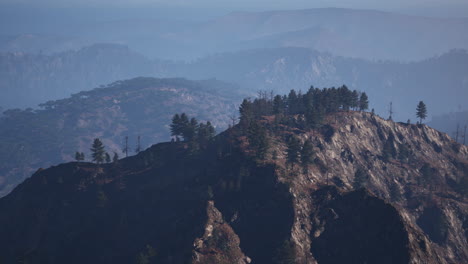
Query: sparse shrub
[(436, 147), (360, 178), (328, 132), (404, 153)]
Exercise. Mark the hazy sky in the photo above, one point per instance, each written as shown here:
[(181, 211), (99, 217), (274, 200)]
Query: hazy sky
[(422, 5)]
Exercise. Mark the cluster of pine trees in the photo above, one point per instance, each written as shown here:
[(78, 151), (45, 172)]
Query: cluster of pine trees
[(300, 153), (98, 153), (299, 110), (313, 104), (190, 130)]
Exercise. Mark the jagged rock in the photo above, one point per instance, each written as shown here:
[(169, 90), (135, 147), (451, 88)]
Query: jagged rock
[(411, 209), (219, 243)]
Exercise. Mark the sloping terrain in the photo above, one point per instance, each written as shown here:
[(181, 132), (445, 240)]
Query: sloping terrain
[(376, 192), (137, 107)]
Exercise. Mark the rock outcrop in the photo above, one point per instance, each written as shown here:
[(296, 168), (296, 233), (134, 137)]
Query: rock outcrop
[(376, 192)]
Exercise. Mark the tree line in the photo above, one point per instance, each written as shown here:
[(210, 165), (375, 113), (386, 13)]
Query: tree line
[(313, 104), (98, 153), (190, 130)]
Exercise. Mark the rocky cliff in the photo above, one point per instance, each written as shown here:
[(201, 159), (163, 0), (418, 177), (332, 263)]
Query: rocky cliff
[(376, 192)]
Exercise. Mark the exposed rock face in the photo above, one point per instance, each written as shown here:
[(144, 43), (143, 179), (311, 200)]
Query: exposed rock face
[(377, 192), (219, 243), (413, 167)]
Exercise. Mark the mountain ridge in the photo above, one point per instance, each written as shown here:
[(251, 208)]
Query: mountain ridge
[(265, 202)]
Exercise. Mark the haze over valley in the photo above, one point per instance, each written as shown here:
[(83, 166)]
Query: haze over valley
[(211, 132)]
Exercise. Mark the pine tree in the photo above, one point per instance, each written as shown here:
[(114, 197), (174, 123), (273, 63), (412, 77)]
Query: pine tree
[(278, 105), (205, 132), (307, 154), (421, 111), (293, 103), (78, 156), (115, 158), (183, 125), (175, 126), (108, 158), (258, 140), (246, 113), (363, 102), (190, 130), (97, 151), (292, 152), (354, 99)]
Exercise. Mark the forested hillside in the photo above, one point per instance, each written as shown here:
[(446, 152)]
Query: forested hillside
[(142, 107)]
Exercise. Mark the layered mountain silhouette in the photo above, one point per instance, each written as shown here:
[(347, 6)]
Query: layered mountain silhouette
[(439, 81)]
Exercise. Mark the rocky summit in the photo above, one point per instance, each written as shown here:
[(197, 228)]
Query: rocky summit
[(370, 191)]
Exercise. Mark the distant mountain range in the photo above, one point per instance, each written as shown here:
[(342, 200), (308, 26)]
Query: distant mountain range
[(367, 34), (442, 82)]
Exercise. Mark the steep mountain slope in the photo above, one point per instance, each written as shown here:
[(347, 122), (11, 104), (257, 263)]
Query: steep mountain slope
[(137, 107), (224, 204)]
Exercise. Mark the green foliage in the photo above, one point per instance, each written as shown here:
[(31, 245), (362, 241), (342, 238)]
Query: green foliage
[(293, 150), (205, 132), (389, 151), (278, 105), (421, 111), (176, 126), (196, 134), (246, 112), (79, 156), (307, 154), (108, 158), (97, 151), (404, 153), (258, 139), (363, 102), (313, 105)]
